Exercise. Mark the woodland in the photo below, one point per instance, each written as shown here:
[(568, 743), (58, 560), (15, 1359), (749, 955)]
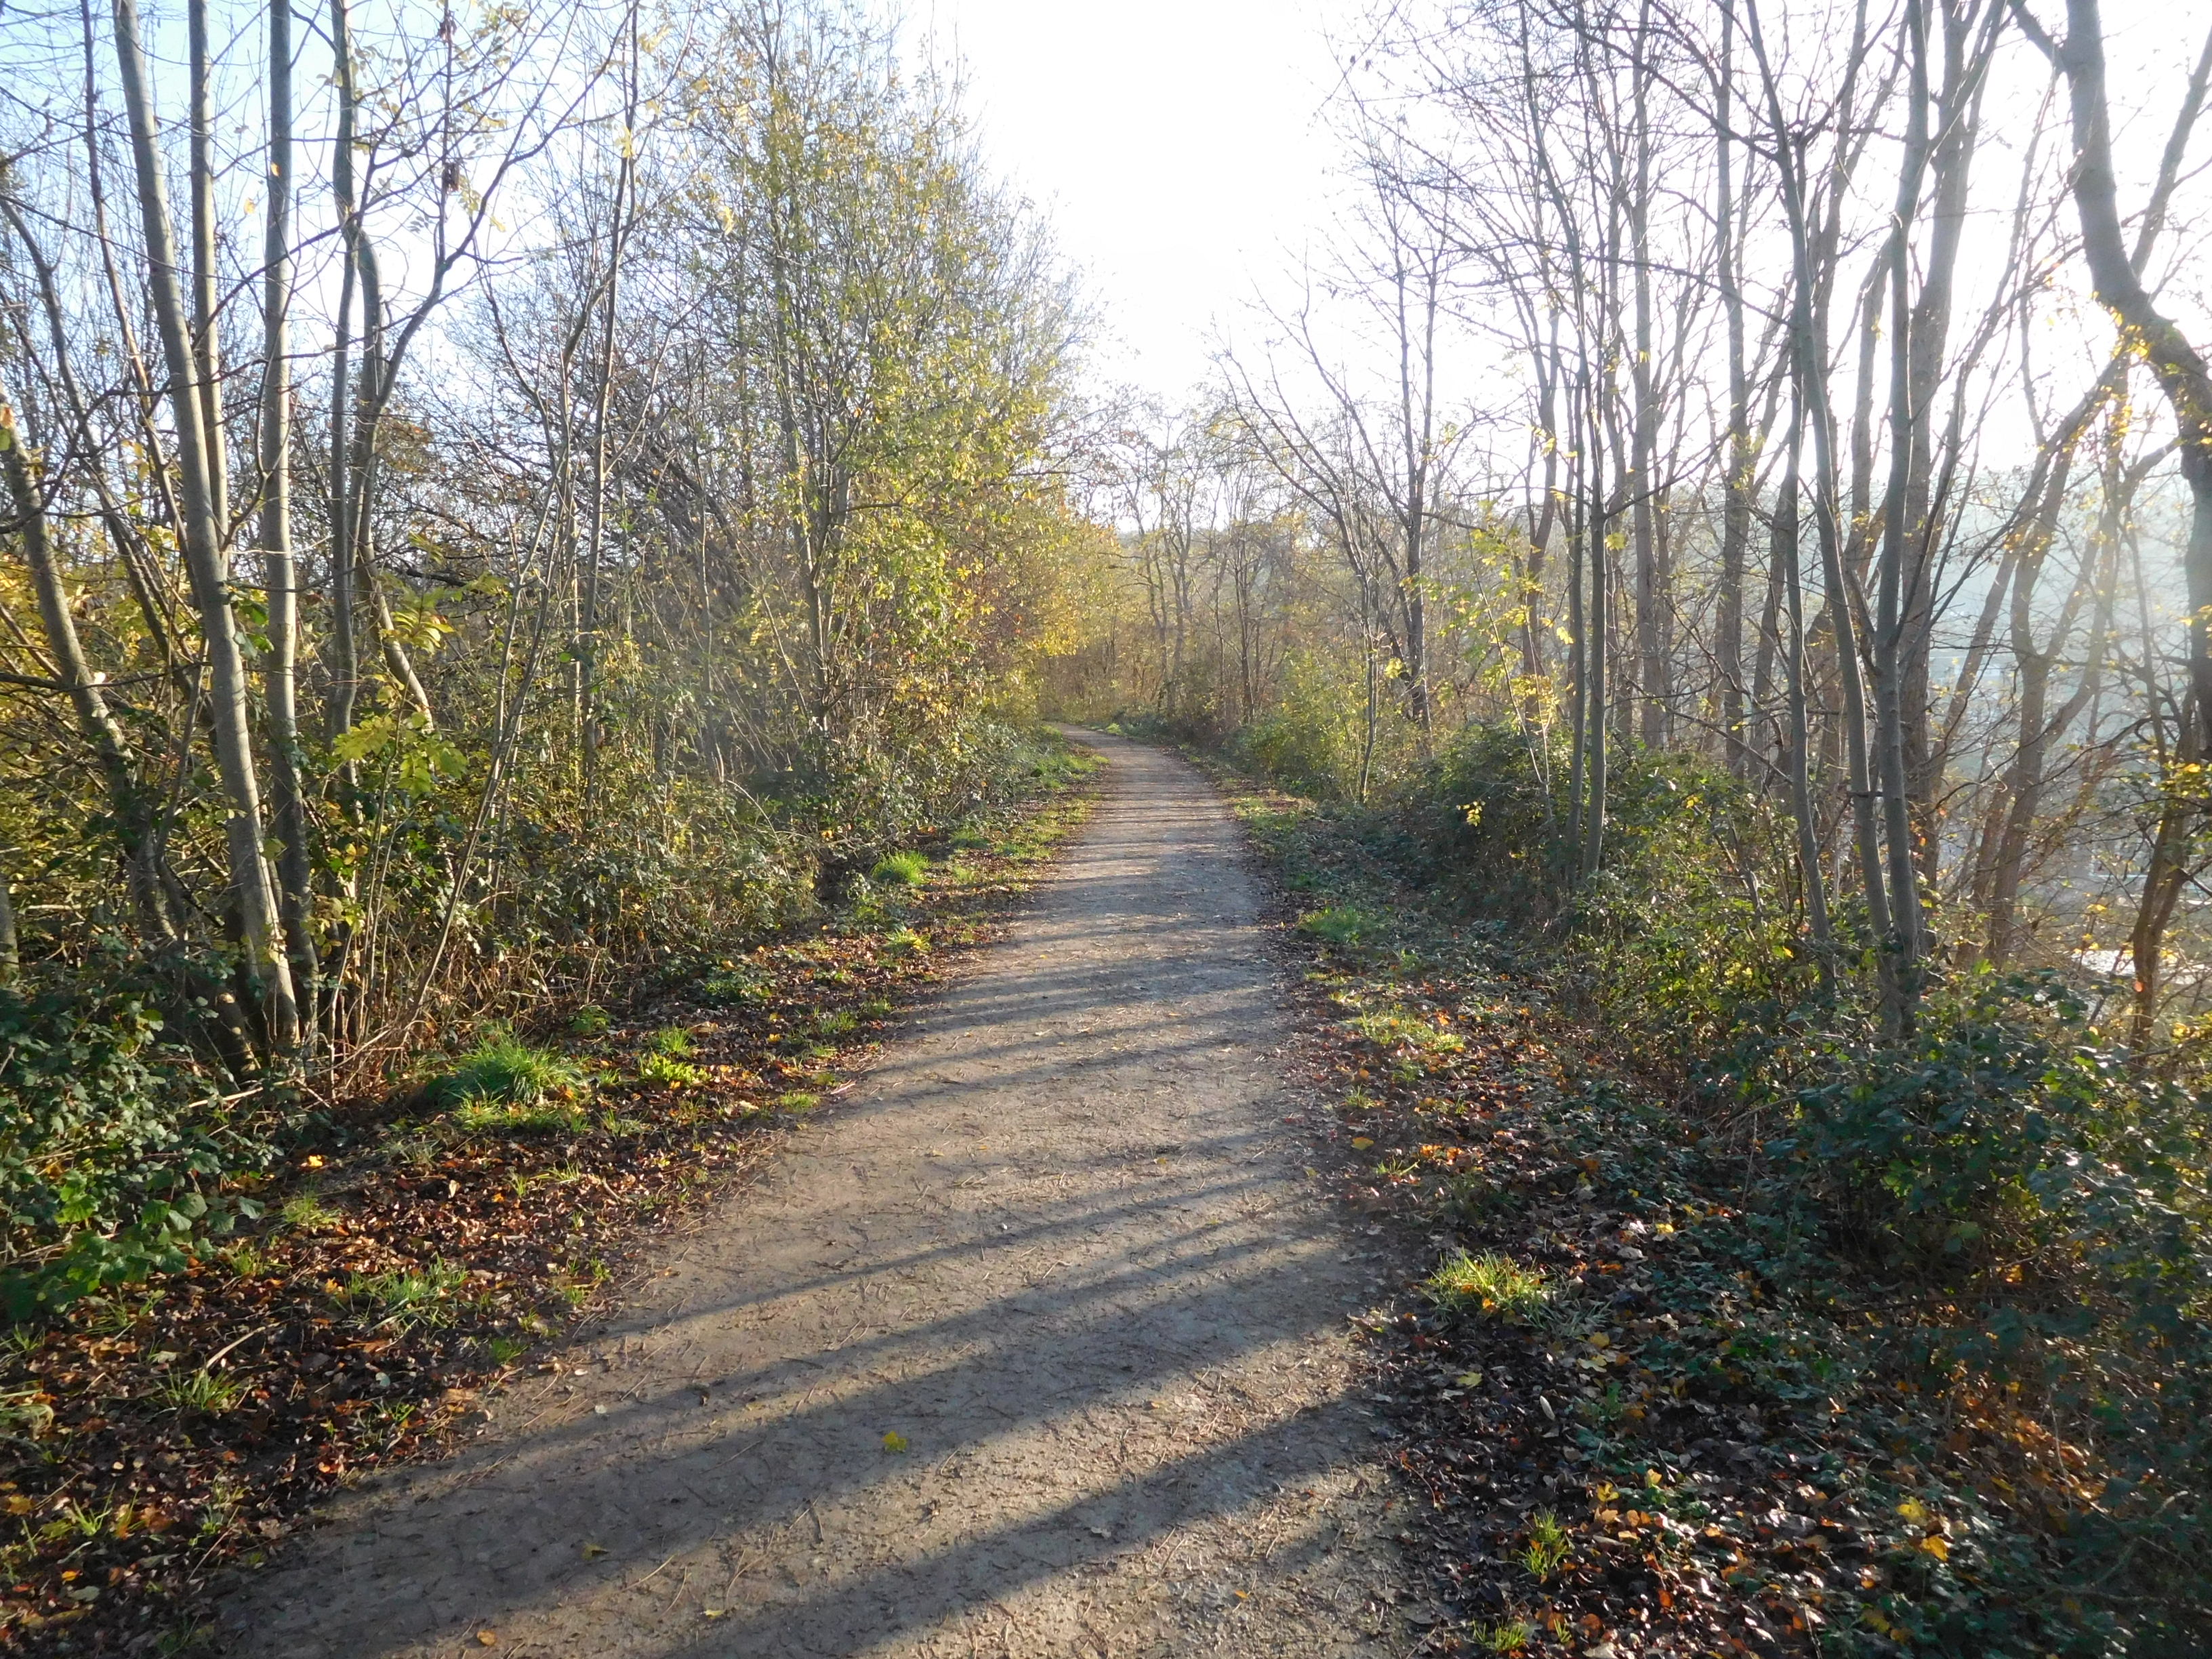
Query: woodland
[(510, 507), (498, 503), (1729, 521)]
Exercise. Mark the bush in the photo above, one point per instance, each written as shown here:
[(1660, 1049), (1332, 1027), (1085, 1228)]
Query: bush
[(112, 1144)]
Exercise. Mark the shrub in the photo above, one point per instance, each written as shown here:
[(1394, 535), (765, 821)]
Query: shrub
[(112, 1148)]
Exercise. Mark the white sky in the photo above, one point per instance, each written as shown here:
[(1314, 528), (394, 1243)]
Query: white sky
[(1174, 144)]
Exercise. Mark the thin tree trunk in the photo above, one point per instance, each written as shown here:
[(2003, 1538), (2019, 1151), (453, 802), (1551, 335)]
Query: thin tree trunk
[(281, 571), (1813, 380), (267, 973), (617, 235), (1785, 564), (1904, 420), (206, 346), (1742, 477), (2181, 368)]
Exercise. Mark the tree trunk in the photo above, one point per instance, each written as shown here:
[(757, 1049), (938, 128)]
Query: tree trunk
[(2179, 366), (1905, 433), (1786, 566), (267, 973), (1812, 386), (281, 571)]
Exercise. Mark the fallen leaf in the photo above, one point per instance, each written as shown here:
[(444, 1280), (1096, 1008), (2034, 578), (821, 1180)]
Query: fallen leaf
[(487, 1638), (1361, 1143), (894, 1442), (592, 1550)]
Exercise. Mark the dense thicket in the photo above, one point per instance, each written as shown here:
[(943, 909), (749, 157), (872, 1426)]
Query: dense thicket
[(497, 500)]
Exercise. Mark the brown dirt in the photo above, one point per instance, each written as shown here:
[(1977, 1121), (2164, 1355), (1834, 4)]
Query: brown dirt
[(1038, 1346)]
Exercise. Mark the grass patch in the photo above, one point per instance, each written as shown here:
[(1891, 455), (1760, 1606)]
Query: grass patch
[(507, 1071), (1507, 1636), (1546, 1548), (1394, 1028), (202, 1392), (306, 1214), (1489, 1284), (900, 870), (491, 1117), (1347, 926), (669, 1072), (401, 1301)]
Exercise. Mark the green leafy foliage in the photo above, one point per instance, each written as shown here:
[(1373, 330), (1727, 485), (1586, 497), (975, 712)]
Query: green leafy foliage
[(111, 1152), (1957, 1288)]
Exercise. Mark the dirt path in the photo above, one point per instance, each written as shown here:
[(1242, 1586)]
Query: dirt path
[(1059, 1244)]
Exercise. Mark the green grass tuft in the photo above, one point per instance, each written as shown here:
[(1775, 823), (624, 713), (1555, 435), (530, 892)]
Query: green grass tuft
[(306, 1214), (491, 1117), (665, 1069), (507, 1071), (400, 1301), (202, 1392), (1547, 1550), (1488, 1283), (1507, 1636), (900, 870), (1344, 925), (673, 1040)]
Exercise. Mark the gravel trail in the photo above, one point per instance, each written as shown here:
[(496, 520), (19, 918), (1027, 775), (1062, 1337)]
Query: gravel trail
[(1059, 1247)]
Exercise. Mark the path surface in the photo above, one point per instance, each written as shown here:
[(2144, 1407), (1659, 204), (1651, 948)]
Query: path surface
[(1060, 1242)]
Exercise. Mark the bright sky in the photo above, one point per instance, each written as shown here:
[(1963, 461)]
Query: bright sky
[(1176, 145)]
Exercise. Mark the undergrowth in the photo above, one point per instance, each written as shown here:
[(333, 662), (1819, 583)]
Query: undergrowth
[(1842, 1345), (389, 1257)]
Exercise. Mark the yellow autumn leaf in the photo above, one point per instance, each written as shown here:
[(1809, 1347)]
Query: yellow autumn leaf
[(894, 1442), (1361, 1143), (1937, 1546)]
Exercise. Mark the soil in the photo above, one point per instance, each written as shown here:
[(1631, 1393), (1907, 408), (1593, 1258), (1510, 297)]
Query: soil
[(1037, 1345)]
